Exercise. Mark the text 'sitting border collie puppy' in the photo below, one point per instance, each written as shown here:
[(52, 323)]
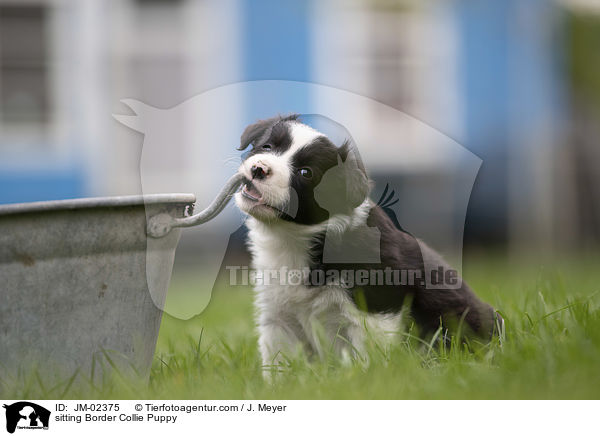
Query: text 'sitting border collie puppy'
[(295, 210)]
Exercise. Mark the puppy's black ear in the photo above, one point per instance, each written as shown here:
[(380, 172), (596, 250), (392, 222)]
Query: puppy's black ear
[(256, 131), (357, 181)]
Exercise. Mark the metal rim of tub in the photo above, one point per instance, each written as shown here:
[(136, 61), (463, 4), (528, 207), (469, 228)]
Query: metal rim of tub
[(93, 202)]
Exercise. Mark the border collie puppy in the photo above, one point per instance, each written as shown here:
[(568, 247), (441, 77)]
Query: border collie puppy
[(333, 269)]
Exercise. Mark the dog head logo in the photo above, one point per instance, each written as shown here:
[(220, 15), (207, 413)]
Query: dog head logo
[(26, 415)]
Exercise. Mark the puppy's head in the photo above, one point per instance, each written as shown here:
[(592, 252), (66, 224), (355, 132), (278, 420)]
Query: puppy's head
[(295, 173)]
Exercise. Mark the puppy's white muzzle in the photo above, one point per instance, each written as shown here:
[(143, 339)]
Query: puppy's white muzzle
[(268, 190)]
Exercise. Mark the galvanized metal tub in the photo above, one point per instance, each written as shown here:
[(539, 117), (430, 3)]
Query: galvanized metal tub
[(80, 281)]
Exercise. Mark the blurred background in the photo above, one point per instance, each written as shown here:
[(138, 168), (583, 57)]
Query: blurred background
[(515, 82)]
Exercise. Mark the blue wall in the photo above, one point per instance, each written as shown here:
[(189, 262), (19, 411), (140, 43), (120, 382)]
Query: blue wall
[(508, 71), (19, 186), (484, 69), (275, 46)]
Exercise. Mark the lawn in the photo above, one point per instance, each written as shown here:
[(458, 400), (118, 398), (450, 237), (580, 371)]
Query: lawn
[(551, 350)]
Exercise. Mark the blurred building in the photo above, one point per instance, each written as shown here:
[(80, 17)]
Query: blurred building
[(504, 78)]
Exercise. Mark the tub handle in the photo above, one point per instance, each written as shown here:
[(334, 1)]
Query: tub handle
[(160, 225)]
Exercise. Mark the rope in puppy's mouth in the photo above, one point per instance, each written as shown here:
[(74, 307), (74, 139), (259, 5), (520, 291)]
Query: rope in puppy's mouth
[(160, 225)]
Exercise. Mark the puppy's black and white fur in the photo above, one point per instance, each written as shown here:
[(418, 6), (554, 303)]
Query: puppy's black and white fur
[(293, 206)]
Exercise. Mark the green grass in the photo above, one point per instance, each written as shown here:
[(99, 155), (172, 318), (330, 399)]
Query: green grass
[(551, 350)]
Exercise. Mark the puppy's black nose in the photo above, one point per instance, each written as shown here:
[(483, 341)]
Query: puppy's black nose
[(259, 171)]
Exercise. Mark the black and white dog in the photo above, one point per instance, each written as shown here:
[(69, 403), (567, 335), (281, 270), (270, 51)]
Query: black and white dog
[(309, 211)]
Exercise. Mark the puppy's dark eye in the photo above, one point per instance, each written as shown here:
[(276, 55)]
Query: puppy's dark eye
[(267, 147), (306, 173)]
